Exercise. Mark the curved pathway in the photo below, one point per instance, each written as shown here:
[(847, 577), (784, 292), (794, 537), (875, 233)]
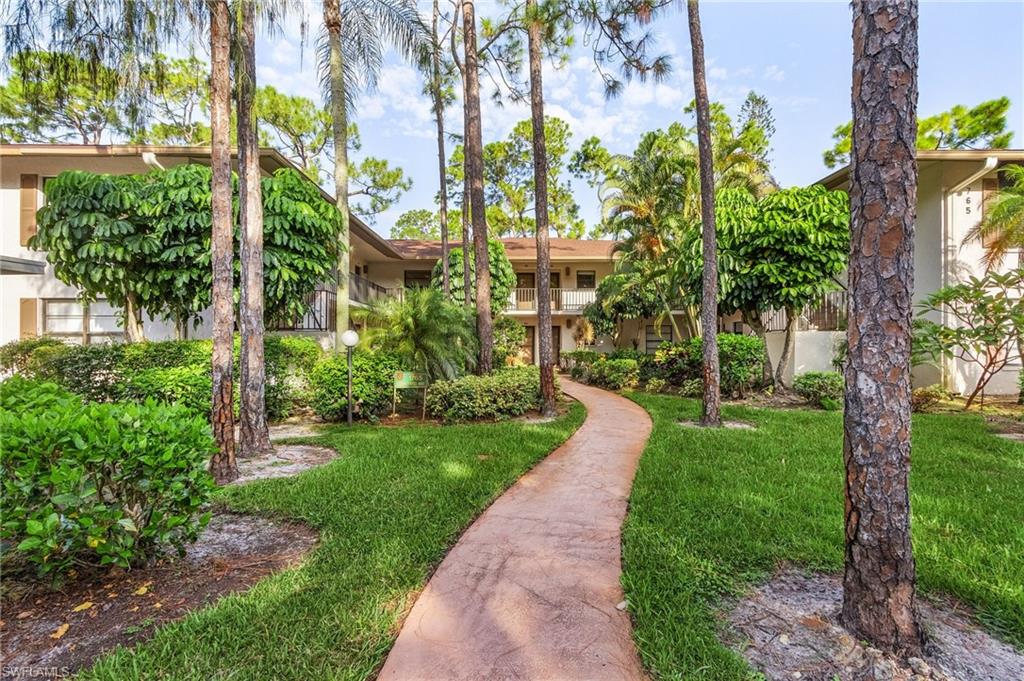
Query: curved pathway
[(530, 590)]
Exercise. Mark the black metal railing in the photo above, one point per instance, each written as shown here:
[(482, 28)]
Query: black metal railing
[(321, 313), (362, 290)]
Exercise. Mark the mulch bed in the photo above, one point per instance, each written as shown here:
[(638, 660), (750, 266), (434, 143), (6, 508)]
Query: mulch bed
[(788, 628), (50, 634)]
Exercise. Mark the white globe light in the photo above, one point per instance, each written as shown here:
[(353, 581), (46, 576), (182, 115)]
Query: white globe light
[(350, 339)]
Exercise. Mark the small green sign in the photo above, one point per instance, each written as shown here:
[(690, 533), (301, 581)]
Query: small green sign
[(410, 379)]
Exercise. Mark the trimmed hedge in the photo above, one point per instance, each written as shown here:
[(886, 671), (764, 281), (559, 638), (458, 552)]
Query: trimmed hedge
[(97, 483), (614, 374), (15, 356), (506, 393), (373, 379), (740, 359), (173, 372), (823, 389)]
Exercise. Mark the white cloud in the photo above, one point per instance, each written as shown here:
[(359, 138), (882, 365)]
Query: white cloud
[(774, 72)]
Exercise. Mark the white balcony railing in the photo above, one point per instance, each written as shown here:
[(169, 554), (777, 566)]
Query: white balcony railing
[(563, 300)]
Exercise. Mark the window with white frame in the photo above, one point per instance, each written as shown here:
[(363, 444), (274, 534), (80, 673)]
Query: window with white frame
[(96, 322)]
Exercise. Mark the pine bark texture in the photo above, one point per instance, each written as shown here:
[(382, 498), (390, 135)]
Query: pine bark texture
[(540, 181), (475, 162), (339, 115), (222, 464), (442, 213), (879, 580), (711, 412), (254, 431)]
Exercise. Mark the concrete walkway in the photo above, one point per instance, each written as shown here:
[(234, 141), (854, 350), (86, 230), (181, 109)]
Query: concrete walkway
[(530, 590)]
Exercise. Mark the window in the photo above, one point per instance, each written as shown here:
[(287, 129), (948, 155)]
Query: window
[(586, 279), (655, 337), (417, 278), (97, 322)]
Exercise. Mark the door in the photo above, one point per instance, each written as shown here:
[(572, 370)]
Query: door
[(526, 352), (526, 291), (556, 346), (556, 291)]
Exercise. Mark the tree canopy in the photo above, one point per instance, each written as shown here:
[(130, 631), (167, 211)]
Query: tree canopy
[(503, 277), (979, 127), (146, 238)]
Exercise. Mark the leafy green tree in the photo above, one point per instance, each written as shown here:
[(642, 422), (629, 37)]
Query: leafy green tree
[(509, 183), (1002, 228), (56, 97), (178, 98), (425, 330), (418, 223), (296, 126), (620, 297), (986, 326), (979, 127), (503, 277), (780, 253), (144, 240)]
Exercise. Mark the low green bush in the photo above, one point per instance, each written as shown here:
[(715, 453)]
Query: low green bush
[(926, 398), (15, 356), (579, 358), (740, 359), (509, 336), (373, 377), (655, 385), (189, 386), (821, 388), (167, 371), (506, 393), (615, 374), (693, 387), (87, 483)]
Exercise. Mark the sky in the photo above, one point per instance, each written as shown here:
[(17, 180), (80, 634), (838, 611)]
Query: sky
[(797, 54)]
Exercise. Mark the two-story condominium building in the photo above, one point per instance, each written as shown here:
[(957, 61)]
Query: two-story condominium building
[(953, 190)]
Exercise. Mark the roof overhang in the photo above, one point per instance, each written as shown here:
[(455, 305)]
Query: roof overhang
[(11, 265), (840, 178)]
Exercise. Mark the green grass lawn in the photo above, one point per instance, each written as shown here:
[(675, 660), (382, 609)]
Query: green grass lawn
[(388, 509), (713, 511)]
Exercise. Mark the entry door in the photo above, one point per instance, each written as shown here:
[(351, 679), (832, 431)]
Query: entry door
[(556, 346), (526, 352), (556, 292)]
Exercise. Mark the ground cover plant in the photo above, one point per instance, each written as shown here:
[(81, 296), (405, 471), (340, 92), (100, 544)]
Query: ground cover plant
[(387, 509), (713, 511)]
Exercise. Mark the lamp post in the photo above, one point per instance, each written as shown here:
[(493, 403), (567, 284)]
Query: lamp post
[(350, 339)]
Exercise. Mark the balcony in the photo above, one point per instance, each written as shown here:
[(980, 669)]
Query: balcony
[(362, 290), (563, 300)]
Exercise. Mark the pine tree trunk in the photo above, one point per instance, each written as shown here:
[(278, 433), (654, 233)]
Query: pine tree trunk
[(222, 464), (880, 581), (339, 114), (540, 181), (711, 414), (788, 348), (446, 285), (473, 146), (255, 434)]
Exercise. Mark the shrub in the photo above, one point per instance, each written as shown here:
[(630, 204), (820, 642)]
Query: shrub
[(188, 386), (693, 387), (15, 356), (289, 362), (579, 358), (821, 388), (924, 399), (373, 376), (98, 483), (509, 336), (508, 392), (740, 361), (655, 385), (615, 374)]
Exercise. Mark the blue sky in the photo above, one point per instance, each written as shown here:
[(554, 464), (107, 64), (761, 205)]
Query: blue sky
[(798, 54)]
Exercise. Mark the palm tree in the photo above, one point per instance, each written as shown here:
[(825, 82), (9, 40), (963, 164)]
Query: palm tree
[(222, 464), (351, 54), (1002, 228), (255, 434), (424, 330), (879, 581)]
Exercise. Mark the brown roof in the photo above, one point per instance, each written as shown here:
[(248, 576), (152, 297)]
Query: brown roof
[(517, 249), (838, 178)]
